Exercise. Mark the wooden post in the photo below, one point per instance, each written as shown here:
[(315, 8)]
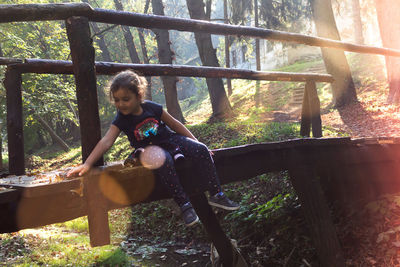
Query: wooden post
[(314, 103), (99, 230), (213, 228), (316, 211), (310, 111), (82, 53), (12, 83), (305, 125)]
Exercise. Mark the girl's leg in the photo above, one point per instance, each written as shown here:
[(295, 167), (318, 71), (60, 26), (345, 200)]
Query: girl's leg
[(170, 180), (198, 152)]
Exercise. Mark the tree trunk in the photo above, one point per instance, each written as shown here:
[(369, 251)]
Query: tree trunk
[(227, 45), (105, 53), (128, 37), (148, 94), (52, 133), (219, 101), (165, 57), (258, 61), (358, 27), (1, 127), (343, 88), (388, 18)]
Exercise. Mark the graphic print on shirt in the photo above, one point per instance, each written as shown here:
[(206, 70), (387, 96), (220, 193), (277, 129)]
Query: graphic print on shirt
[(147, 128)]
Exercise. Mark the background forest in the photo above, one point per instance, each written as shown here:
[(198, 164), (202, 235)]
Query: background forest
[(50, 99), (269, 226)]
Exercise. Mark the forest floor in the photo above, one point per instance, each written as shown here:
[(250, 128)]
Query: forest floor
[(369, 237)]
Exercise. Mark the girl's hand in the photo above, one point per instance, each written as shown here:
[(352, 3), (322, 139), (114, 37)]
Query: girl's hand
[(80, 170), (211, 153)]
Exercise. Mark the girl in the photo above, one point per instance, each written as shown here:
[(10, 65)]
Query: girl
[(146, 124)]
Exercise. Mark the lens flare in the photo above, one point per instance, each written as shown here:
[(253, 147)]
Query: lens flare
[(153, 157), (127, 187)]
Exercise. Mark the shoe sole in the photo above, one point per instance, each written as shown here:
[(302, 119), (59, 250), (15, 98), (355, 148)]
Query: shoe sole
[(193, 223), (222, 206)]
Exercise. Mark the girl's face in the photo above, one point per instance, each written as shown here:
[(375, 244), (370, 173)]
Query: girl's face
[(127, 102)]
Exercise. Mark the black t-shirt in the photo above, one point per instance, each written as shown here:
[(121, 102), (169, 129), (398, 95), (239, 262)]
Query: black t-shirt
[(146, 128)]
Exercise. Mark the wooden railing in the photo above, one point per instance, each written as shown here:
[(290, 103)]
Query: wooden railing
[(299, 160)]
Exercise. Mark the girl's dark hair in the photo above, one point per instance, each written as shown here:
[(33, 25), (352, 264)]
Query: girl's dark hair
[(130, 80)]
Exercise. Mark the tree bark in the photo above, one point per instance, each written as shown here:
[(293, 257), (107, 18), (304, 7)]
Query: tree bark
[(165, 57), (1, 127), (389, 18), (52, 133), (219, 101), (358, 27), (148, 94), (128, 37), (105, 53), (258, 61), (343, 88), (227, 45)]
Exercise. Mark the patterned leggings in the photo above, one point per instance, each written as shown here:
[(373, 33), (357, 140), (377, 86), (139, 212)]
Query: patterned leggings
[(203, 164)]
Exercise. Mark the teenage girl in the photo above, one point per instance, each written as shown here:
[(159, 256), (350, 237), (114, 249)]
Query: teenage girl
[(147, 124)]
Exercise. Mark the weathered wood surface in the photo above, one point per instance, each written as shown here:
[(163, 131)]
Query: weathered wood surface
[(13, 84), (82, 54), (109, 68), (32, 12)]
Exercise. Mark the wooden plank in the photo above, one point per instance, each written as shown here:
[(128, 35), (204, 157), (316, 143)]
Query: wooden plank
[(82, 52), (316, 211), (9, 195), (12, 83)]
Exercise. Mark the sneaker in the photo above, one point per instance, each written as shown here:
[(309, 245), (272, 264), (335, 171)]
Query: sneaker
[(222, 201), (189, 215)]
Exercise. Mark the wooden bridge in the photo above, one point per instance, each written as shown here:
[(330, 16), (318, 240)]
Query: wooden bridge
[(341, 170), (321, 170)]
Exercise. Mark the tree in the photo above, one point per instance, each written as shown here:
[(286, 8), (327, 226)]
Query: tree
[(219, 101), (105, 53), (144, 52), (358, 27), (388, 19), (165, 56), (128, 37), (343, 88)]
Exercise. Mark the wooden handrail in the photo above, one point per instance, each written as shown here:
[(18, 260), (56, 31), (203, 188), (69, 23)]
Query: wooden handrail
[(40, 12), (109, 68)]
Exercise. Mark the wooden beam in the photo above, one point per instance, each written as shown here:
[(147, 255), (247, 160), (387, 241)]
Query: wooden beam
[(315, 109), (190, 25), (110, 68), (213, 228), (12, 83), (316, 211), (99, 230), (32, 12), (305, 122), (82, 52)]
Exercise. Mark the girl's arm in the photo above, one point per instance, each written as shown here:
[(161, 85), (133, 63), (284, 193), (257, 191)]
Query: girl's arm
[(176, 125), (102, 146)]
